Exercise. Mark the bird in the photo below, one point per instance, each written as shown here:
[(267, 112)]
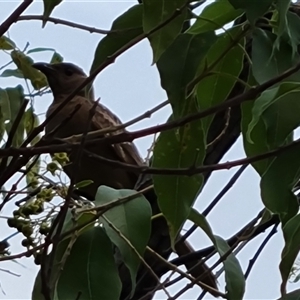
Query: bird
[(63, 78)]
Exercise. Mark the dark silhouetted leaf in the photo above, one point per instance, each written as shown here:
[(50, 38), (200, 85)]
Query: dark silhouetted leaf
[(5, 105), (291, 234), (16, 98), (156, 12), (49, 5), (269, 62), (215, 88), (254, 9), (215, 16), (187, 51), (127, 27), (277, 183), (179, 148)]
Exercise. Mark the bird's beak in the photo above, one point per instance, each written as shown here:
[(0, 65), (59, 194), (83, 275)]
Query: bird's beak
[(44, 68)]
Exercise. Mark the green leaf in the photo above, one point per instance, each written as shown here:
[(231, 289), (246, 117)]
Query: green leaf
[(49, 5), (156, 12), (127, 27), (187, 51), (24, 63), (259, 106), (81, 218), (56, 58), (258, 138), (40, 49), (179, 148), (281, 118), (258, 142), (6, 43), (234, 277), (83, 183), (90, 270), (63, 250), (283, 28), (132, 219), (293, 21), (276, 191), (12, 73), (254, 9), (16, 98), (214, 89), (291, 234), (278, 109), (275, 61), (5, 105), (215, 16)]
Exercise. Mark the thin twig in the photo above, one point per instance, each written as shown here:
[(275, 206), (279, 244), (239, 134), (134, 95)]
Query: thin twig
[(66, 23), (260, 249), (14, 16)]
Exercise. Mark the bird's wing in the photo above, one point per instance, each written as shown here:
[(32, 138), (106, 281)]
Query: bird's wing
[(126, 151)]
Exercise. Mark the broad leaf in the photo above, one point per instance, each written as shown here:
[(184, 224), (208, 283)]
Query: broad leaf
[(127, 27), (156, 12), (274, 61), (16, 98), (234, 277), (215, 16), (132, 219), (187, 51), (278, 109), (179, 148), (90, 270), (49, 5), (291, 233), (5, 105), (63, 253), (254, 9), (215, 88), (277, 183), (56, 58), (283, 27)]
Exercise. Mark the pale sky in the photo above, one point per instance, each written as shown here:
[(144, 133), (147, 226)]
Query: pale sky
[(129, 87)]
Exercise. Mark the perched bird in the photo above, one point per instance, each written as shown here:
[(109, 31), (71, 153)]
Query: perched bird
[(63, 78)]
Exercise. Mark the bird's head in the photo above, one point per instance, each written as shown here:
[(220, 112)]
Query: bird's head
[(62, 78)]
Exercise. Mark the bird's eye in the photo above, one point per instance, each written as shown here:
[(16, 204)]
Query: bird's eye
[(68, 72)]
